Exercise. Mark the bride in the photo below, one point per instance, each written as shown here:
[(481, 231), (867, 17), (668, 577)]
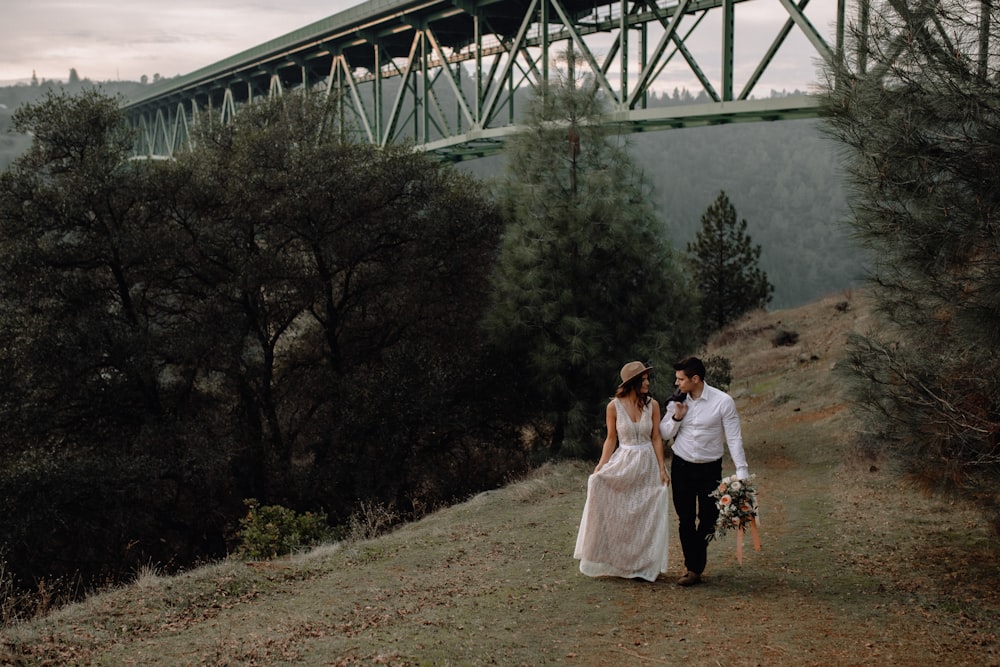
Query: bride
[(623, 532)]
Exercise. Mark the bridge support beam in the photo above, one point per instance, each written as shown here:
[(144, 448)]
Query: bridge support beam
[(451, 75)]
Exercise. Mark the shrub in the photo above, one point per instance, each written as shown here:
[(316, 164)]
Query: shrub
[(785, 337), (720, 371), (371, 519), (272, 530)]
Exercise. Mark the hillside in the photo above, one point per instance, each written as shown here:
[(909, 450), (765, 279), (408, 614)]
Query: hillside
[(857, 568), (783, 178)]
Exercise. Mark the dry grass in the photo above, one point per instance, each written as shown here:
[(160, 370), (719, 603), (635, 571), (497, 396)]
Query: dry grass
[(857, 567)]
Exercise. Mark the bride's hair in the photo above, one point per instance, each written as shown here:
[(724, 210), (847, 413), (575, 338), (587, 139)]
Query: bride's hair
[(634, 385)]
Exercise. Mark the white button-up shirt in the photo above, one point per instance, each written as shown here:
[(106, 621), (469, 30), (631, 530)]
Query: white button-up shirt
[(710, 423)]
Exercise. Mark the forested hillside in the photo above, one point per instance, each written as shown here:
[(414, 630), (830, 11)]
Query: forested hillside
[(186, 418), (782, 177)]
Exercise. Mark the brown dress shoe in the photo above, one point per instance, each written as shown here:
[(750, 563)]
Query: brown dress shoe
[(689, 579)]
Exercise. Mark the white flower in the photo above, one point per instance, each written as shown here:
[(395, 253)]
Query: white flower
[(736, 486)]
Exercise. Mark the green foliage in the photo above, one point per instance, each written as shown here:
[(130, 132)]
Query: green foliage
[(719, 371), (786, 176), (277, 314), (586, 281), (922, 128), (13, 142), (726, 268), (268, 531), (357, 285), (788, 181), (106, 433)]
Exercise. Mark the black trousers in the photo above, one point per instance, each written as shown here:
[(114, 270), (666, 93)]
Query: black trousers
[(696, 511)]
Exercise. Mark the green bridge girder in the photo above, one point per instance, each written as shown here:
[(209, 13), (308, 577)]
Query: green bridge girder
[(446, 75)]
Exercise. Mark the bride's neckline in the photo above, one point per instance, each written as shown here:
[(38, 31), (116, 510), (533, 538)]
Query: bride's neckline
[(625, 404)]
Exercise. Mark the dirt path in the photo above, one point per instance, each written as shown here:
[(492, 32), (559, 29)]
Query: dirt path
[(856, 569)]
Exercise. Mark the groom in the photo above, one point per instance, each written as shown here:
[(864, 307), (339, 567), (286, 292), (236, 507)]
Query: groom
[(701, 423)]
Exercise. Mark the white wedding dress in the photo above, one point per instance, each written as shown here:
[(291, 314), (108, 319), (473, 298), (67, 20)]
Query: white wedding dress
[(624, 532)]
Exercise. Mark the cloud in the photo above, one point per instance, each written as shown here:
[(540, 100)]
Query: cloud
[(123, 40)]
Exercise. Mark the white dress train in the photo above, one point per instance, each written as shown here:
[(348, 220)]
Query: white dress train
[(623, 531)]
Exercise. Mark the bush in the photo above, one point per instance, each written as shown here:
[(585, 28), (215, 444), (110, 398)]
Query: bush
[(719, 370), (371, 519), (272, 530), (785, 338)]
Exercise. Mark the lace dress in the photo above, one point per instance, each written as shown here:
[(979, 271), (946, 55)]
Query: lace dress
[(623, 532)]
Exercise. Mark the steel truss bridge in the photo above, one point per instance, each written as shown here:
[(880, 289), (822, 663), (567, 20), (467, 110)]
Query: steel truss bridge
[(449, 75)]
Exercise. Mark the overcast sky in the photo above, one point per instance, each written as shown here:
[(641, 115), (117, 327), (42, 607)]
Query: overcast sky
[(106, 40)]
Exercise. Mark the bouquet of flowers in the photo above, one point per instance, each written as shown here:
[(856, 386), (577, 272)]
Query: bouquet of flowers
[(736, 500)]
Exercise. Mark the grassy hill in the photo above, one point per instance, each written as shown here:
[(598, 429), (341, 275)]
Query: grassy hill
[(857, 567)]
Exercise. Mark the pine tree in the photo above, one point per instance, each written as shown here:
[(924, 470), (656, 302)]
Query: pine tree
[(921, 121), (586, 280), (726, 267)]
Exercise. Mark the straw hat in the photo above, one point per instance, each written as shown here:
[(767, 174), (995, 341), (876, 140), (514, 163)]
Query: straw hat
[(631, 370)]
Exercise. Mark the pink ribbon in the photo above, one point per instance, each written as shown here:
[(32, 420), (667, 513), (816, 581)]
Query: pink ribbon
[(739, 539)]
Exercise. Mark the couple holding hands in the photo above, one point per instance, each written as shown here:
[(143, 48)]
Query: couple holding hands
[(624, 532)]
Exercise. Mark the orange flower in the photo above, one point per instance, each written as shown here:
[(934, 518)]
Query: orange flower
[(725, 500)]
